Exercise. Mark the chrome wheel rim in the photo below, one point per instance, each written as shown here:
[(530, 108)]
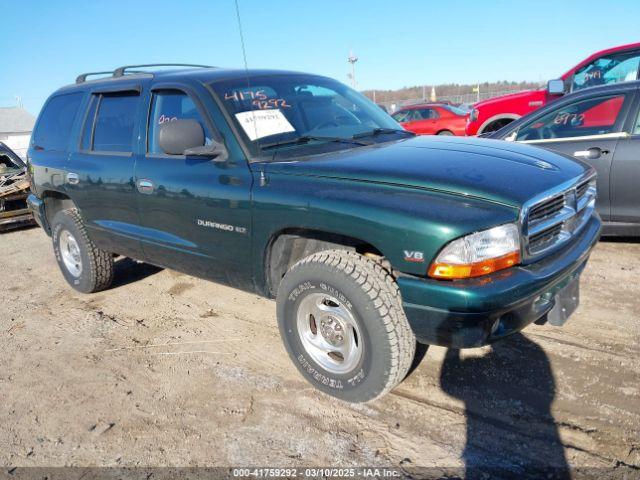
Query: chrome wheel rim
[(329, 333), (70, 252)]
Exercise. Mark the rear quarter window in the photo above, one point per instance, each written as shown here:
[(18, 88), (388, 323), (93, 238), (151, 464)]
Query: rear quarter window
[(56, 121)]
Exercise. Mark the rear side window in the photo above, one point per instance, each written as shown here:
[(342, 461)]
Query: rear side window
[(56, 121), (114, 122)]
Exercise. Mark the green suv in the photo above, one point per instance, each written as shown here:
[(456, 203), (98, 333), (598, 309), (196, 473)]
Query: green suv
[(299, 188)]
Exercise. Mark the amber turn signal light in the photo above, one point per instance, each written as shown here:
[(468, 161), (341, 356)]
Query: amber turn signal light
[(449, 271)]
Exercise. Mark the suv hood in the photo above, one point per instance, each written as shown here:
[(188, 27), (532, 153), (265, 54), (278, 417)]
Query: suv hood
[(493, 170), (509, 96)]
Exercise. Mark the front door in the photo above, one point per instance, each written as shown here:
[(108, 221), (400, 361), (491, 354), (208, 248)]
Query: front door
[(194, 212), (587, 128)]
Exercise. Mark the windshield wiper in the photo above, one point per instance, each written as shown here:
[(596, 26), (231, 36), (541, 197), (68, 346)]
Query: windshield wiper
[(308, 138), (381, 131)]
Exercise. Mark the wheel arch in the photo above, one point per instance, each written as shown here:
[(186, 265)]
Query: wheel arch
[(54, 202), (289, 245), (501, 116)]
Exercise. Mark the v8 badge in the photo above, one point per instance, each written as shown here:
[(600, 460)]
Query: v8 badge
[(413, 256)]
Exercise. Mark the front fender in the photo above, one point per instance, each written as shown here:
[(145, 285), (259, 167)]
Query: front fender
[(408, 226)]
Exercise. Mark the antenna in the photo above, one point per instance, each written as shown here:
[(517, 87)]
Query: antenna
[(352, 59)]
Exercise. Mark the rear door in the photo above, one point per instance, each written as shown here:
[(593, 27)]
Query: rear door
[(587, 128), (101, 170), (194, 212), (625, 174)]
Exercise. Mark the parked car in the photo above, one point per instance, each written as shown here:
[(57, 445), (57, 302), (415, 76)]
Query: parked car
[(601, 126), (432, 119), (14, 188), (294, 186), (608, 66)]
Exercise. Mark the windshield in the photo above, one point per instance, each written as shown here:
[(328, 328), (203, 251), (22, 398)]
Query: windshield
[(275, 110)]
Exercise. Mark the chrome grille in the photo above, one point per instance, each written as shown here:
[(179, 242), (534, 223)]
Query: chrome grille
[(553, 218), (547, 209), (582, 188)]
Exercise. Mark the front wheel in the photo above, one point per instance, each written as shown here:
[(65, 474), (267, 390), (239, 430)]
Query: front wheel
[(341, 320)]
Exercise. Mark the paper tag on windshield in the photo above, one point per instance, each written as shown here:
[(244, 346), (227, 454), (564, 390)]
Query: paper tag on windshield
[(263, 123)]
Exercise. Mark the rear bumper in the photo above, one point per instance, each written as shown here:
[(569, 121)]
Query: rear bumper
[(36, 206), (475, 312)]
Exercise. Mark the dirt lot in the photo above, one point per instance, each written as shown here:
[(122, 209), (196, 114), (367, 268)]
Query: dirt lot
[(165, 369)]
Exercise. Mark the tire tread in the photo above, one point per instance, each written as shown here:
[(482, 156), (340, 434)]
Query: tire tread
[(101, 267), (380, 286)]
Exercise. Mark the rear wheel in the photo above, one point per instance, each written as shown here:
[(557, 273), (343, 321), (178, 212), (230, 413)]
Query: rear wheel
[(445, 132), (341, 320), (84, 266)]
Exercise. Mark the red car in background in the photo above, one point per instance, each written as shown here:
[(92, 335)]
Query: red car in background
[(618, 64), (432, 119)]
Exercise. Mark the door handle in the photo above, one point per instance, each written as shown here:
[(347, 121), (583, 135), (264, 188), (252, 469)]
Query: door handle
[(73, 178), (145, 186), (590, 153)]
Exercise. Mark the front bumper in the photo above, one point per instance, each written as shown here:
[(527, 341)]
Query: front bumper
[(475, 312)]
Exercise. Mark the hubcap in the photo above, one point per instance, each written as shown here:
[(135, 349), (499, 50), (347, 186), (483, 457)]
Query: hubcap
[(70, 252), (329, 333)]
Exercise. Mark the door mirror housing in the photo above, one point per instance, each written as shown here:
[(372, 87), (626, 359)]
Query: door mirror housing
[(178, 136), (213, 150), (555, 87)]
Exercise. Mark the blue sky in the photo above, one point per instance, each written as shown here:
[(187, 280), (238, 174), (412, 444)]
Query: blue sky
[(45, 44)]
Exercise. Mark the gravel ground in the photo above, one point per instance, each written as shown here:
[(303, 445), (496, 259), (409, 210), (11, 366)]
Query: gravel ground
[(168, 370)]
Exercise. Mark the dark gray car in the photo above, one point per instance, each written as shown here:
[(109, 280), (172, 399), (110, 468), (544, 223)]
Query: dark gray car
[(601, 126)]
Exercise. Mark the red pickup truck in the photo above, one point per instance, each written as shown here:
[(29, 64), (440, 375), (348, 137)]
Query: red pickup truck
[(612, 65)]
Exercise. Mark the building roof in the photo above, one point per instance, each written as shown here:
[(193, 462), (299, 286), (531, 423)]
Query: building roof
[(15, 120)]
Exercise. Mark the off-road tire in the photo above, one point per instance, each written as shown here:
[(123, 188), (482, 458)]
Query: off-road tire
[(373, 297), (97, 265)]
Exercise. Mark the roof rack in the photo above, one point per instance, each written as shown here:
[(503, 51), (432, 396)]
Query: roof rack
[(83, 78), (121, 71)]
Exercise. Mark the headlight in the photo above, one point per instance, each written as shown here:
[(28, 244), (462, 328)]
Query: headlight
[(478, 254), (473, 116)]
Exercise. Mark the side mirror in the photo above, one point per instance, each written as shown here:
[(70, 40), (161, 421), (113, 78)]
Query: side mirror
[(555, 87), (178, 136)]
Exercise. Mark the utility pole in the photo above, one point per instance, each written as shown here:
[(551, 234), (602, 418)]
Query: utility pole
[(352, 59)]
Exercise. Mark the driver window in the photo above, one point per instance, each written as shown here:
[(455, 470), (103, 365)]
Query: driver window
[(170, 105), (620, 67), (592, 116)]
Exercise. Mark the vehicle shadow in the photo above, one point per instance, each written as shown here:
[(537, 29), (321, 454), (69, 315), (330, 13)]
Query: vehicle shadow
[(620, 239), (507, 396), (129, 271)]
